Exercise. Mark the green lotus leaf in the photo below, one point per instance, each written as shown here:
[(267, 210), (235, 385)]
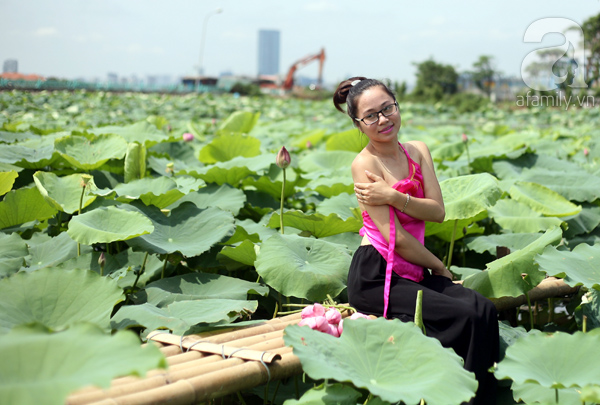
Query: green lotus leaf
[(467, 196), (141, 132), (108, 224), (273, 181), (32, 154), (543, 200), (314, 136), (259, 229), (64, 193), (574, 185), (349, 239), (513, 241), (10, 137), (225, 197), (187, 229), (24, 205), (197, 286), (88, 151), (334, 394), (503, 277), (352, 140), (39, 367), (241, 235), (579, 266), (13, 250), (584, 222), (135, 162), (317, 224), (180, 316), (532, 393), (520, 218), (464, 227), (333, 185), (244, 253), (226, 147), (590, 393), (235, 170), (158, 191), (325, 164), (448, 151), (53, 252), (573, 362), (391, 359), (239, 122), (7, 179), (303, 267), (344, 205), (57, 299)]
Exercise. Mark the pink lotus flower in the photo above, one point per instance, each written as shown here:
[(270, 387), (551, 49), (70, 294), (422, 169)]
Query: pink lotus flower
[(283, 159), (586, 151), (316, 323), (334, 330), (309, 144), (358, 315), (313, 310), (188, 137), (333, 316), (465, 139)]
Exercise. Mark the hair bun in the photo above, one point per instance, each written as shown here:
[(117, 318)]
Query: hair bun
[(341, 93)]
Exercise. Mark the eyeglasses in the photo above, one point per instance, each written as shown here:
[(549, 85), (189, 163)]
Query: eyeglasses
[(374, 117)]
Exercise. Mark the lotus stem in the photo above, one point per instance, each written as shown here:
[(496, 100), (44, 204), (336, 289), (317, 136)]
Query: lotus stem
[(556, 395), (468, 158), (137, 278), (79, 213), (275, 393), (451, 248), (530, 310), (419, 312), (240, 398), (162, 273), (281, 206), (584, 324)]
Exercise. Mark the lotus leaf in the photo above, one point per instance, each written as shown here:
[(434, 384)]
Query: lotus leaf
[(272, 182), (391, 359), (57, 299), (241, 235), (244, 253), (543, 200), (314, 137), (39, 367), (239, 122), (34, 154), (141, 132), (334, 394), (158, 191), (303, 267), (448, 151), (579, 266), (88, 151), (226, 147), (464, 227), (180, 316), (352, 140), (64, 193), (108, 224), (225, 197), (187, 229), (13, 250), (584, 222), (532, 393), (575, 185), (573, 362), (197, 286), (520, 218), (333, 185), (7, 179), (503, 277), (24, 205), (135, 161), (235, 170), (467, 196), (325, 164), (317, 224), (343, 204), (52, 252), (513, 241), (259, 229)]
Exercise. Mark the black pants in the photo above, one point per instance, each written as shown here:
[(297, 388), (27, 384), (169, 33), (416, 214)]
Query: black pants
[(458, 317)]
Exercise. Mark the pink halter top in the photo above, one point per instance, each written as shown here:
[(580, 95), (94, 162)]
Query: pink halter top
[(412, 185)]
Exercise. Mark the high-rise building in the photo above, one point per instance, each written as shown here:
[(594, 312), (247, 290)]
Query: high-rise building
[(10, 66), (268, 52)]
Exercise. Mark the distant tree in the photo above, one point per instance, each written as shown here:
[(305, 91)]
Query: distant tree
[(591, 35), (434, 80), (483, 73), (400, 90)]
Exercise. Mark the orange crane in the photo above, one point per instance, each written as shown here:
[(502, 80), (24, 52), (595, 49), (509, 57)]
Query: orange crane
[(289, 80)]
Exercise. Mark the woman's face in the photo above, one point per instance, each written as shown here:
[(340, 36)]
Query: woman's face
[(370, 102)]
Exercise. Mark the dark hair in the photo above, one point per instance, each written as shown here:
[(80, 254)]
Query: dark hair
[(348, 93)]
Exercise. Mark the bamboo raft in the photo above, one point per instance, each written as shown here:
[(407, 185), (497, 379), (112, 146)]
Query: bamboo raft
[(212, 365)]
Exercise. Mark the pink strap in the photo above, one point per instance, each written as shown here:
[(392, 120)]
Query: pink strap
[(390, 261)]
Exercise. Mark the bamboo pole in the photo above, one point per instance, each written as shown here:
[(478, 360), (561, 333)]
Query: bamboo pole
[(548, 288)]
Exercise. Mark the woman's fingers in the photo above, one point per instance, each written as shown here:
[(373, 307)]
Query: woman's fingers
[(373, 176)]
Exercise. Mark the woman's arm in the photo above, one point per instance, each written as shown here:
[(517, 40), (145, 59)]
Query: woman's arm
[(375, 190)]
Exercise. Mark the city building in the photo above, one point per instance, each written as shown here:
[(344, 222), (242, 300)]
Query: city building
[(10, 66), (268, 52)]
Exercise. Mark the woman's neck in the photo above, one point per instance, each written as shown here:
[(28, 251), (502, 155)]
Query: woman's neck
[(385, 150)]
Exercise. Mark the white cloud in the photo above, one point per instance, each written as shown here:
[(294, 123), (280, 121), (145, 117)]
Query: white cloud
[(321, 6), (45, 32)]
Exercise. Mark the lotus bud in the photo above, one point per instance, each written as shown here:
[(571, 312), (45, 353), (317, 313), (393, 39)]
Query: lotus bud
[(334, 331), (316, 323), (85, 179), (102, 259), (586, 151), (188, 137), (465, 138), (170, 167), (333, 316), (309, 144), (283, 159), (312, 311), (357, 315)]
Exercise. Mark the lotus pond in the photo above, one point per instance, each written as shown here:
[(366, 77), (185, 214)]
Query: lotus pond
[(112, 225)]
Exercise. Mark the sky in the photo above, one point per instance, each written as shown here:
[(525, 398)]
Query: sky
[(384, 39)]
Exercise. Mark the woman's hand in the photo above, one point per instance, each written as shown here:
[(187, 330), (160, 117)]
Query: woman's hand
[(376, 193), (443, 272)]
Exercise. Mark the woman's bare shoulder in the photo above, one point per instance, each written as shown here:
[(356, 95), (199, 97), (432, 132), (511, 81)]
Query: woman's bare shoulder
[(417, 150), (363, 161)]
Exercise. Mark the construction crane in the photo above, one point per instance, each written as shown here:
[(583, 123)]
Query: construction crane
[(288, 84)]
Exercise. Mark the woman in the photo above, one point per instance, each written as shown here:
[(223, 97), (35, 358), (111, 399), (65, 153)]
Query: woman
[(397, 190)]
